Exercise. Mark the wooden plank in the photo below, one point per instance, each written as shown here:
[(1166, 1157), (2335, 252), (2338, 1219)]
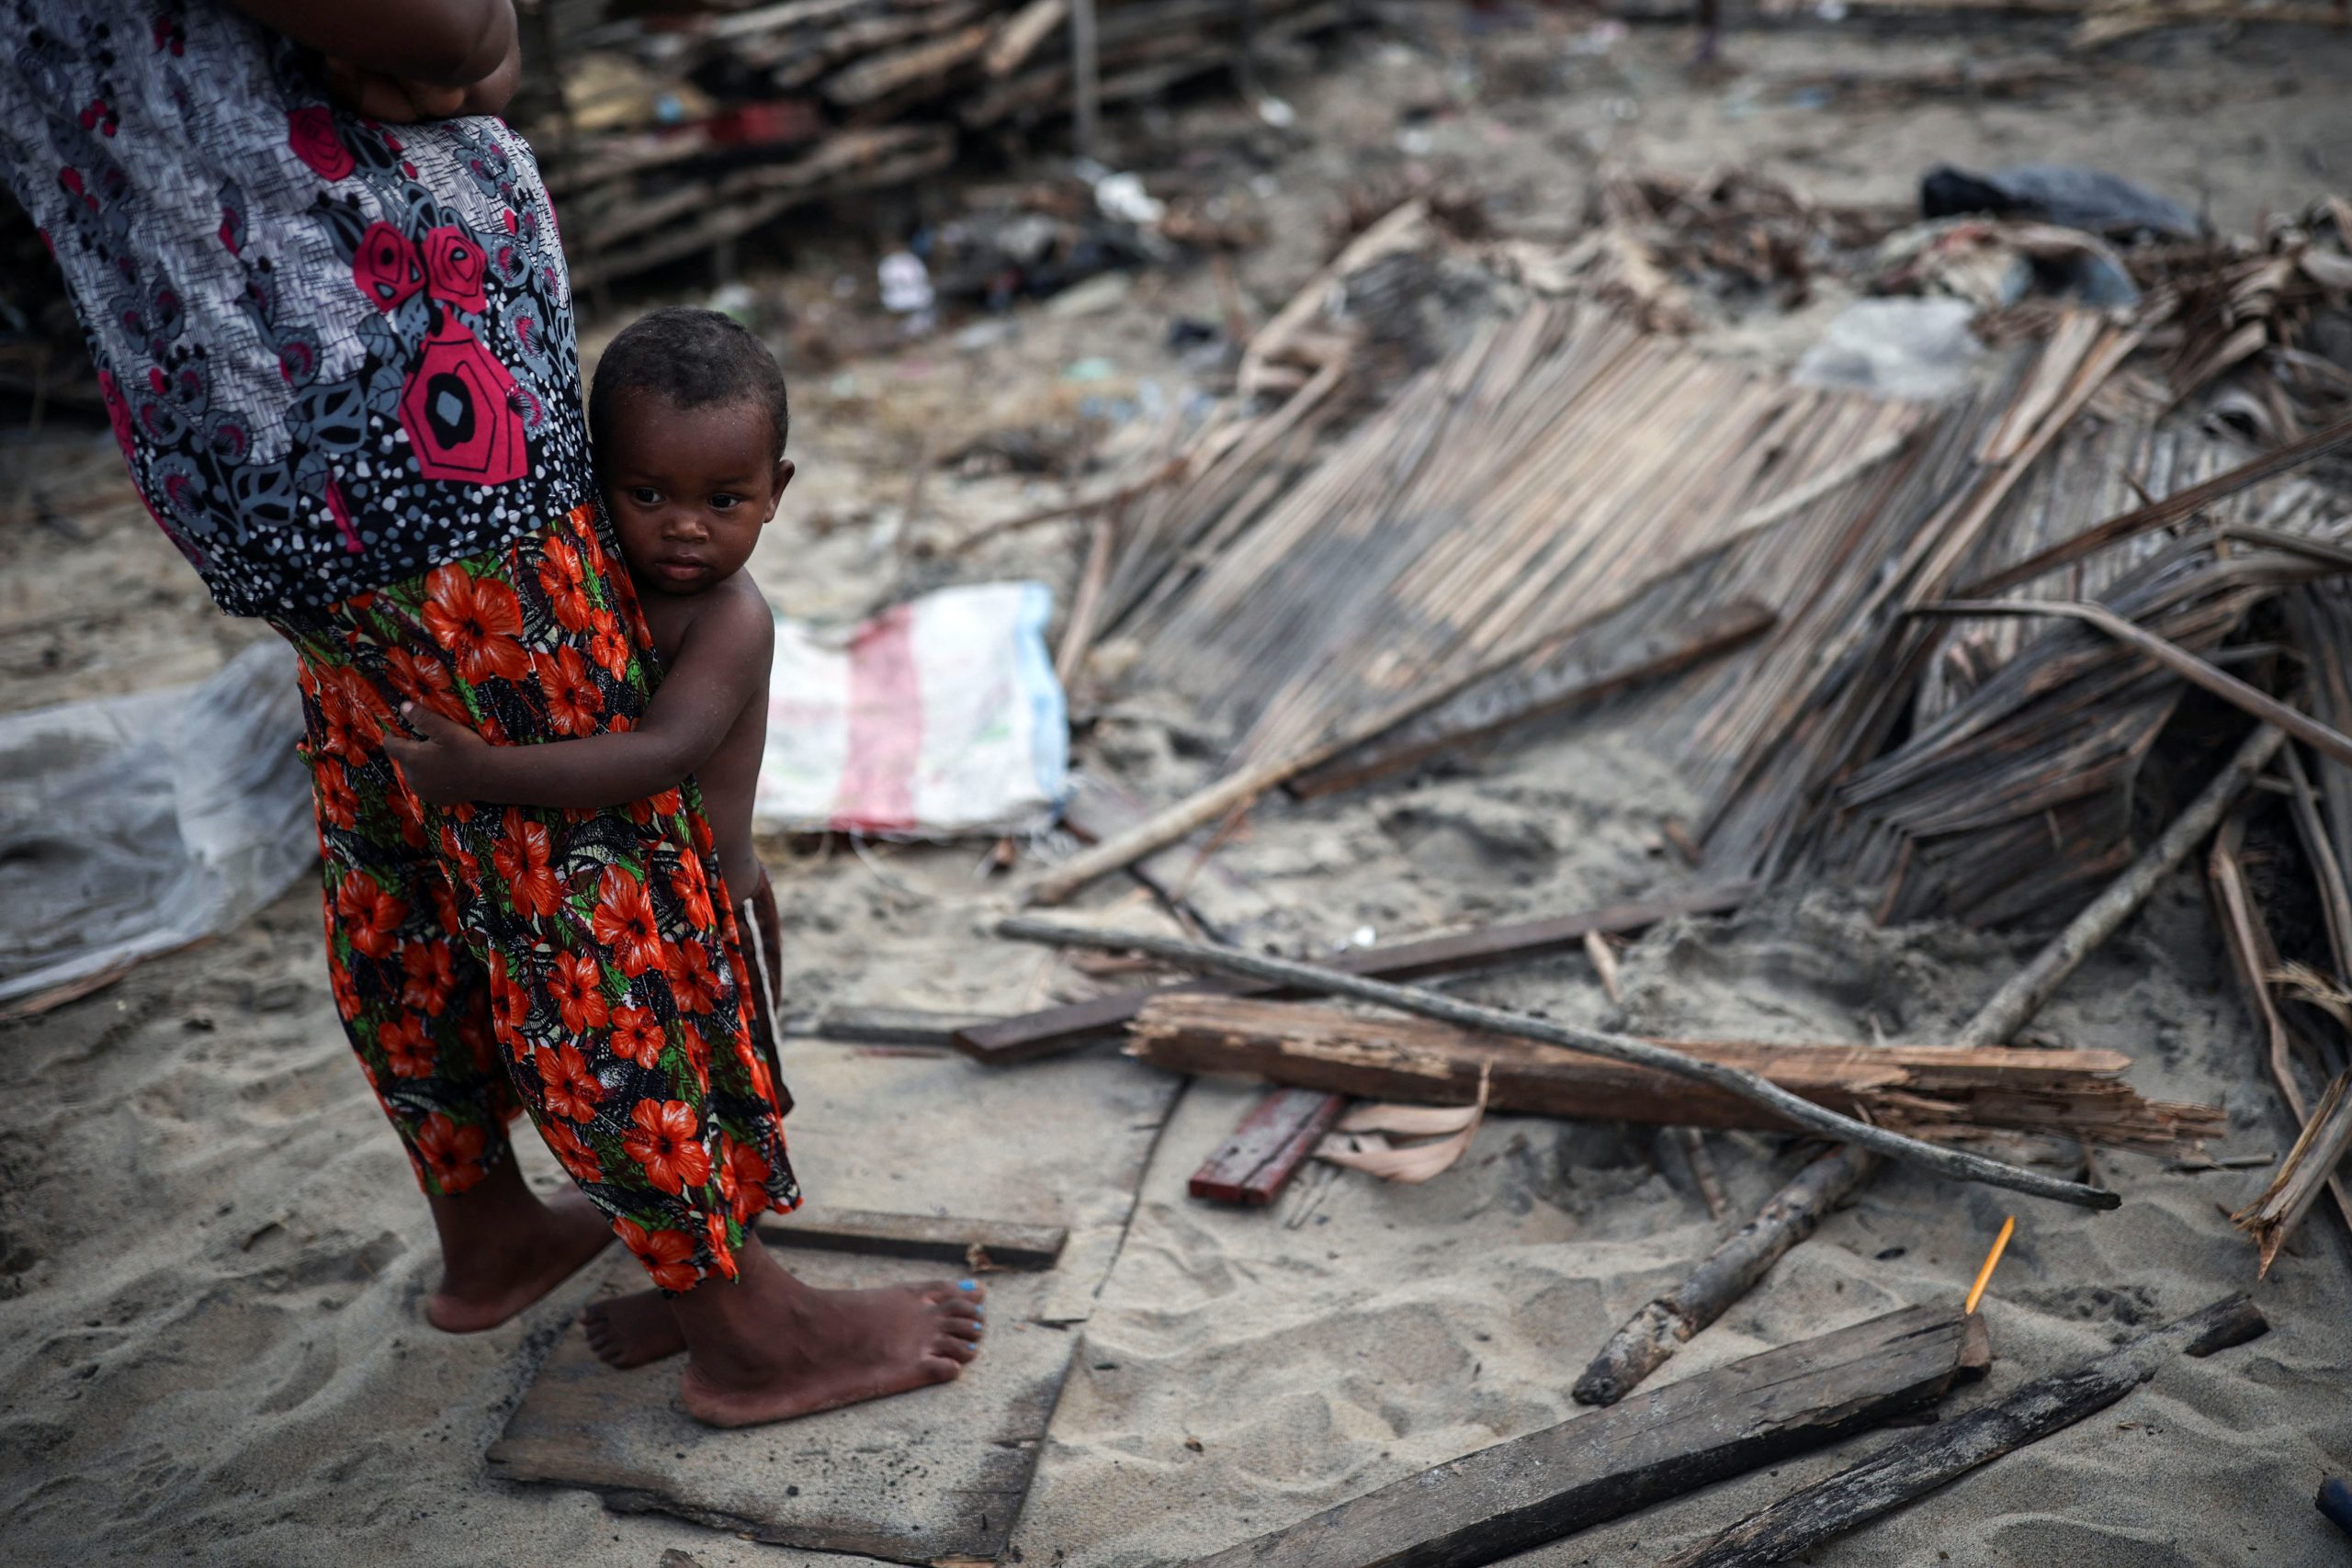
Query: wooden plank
[(938, 1239), (1939, 1091), (1523, 696), (1251, 1166), (939, 1474), (1517, 1495), (1065, 1028), (1916, 1465)]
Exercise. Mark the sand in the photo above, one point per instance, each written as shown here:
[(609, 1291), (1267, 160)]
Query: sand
[(212, 1261)]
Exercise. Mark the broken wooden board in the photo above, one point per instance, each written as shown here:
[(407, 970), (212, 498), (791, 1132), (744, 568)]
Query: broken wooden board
[(936, 1238), (1942, 1092), (1065, 1028), (941, 1473), (1487, 1506), (1251, 1166)]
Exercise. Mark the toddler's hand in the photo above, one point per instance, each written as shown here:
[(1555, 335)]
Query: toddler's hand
[(442, 767)]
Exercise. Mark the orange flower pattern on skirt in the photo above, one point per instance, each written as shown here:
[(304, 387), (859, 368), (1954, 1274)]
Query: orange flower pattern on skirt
[(581, 965)]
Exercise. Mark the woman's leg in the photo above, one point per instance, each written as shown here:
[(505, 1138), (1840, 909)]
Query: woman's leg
[(414, 1003)]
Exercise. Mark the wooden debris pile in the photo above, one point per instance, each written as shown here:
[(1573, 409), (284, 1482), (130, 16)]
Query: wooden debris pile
[(673, 135)]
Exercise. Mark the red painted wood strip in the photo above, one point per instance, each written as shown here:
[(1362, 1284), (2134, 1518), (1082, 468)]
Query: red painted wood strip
[(1251, 1166)]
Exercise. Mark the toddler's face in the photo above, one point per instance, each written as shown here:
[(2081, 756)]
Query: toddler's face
[(689, 490)]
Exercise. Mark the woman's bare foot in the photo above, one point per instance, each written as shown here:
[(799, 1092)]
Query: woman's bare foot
[(767, 1348), (502, 1249), (631, 1330)]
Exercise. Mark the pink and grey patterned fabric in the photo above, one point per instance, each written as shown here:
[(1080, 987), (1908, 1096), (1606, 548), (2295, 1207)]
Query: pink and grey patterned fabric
[(336, 354)]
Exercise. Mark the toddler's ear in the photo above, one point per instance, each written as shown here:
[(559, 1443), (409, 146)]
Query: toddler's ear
[(784, 472)]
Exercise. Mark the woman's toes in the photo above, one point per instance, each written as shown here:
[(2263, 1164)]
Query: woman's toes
[(962, 1328)]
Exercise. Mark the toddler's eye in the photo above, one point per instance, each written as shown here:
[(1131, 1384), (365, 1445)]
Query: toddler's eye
[(645, 496), (725, 502)]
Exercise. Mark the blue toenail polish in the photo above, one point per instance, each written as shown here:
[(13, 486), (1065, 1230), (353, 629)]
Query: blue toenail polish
[(966, 1285)]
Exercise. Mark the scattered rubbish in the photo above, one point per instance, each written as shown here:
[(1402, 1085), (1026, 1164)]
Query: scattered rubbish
[(906, 284), (139, 824), (1121, 196), (937, 718), (1920, 349), (1993, 263), (1093, 368), (2335, 1500), (2072, 197)]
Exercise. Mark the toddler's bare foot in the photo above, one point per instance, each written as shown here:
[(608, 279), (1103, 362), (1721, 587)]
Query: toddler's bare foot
[(512, 1256), (767, 1348), (631, 1330)]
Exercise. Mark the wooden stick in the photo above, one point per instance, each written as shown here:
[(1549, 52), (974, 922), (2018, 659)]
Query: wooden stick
[(1067, 1027), (934, 1237), (2176, 508), (2181, 662), (1992, 1261), (2252, 958), (1604, 1465), (1086, 81), (1916, 1465), (2011, 1007), (1955, 1164), (1086, 604), (1653, 1333), (1703, 1171), (2303, 1175)]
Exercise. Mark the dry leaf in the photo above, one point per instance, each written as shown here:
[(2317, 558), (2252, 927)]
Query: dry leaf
[(1413, 1121), (1367, 1150)]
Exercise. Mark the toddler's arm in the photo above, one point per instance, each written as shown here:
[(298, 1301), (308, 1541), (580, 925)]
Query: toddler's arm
[(721, 667)]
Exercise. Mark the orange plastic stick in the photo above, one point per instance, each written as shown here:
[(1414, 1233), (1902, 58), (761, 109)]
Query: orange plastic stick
[(1992, 1259)]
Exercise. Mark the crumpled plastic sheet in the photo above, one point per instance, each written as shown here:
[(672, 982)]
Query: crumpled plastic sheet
[(130, 826)]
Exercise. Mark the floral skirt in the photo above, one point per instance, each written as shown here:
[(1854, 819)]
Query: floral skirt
[(581, 966)]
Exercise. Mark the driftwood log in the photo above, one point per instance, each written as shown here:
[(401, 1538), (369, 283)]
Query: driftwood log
[(1916, 1465), (1660, 1329), (1601, 1466)]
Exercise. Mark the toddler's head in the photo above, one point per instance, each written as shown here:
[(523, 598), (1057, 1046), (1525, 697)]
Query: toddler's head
[(689, 420)]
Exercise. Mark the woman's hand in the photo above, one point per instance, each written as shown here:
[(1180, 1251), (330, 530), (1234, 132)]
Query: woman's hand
[(396, 100), (447, 766)]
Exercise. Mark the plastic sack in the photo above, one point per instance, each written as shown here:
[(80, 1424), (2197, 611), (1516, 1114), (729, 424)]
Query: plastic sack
[(938, 717), (133, 824)]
